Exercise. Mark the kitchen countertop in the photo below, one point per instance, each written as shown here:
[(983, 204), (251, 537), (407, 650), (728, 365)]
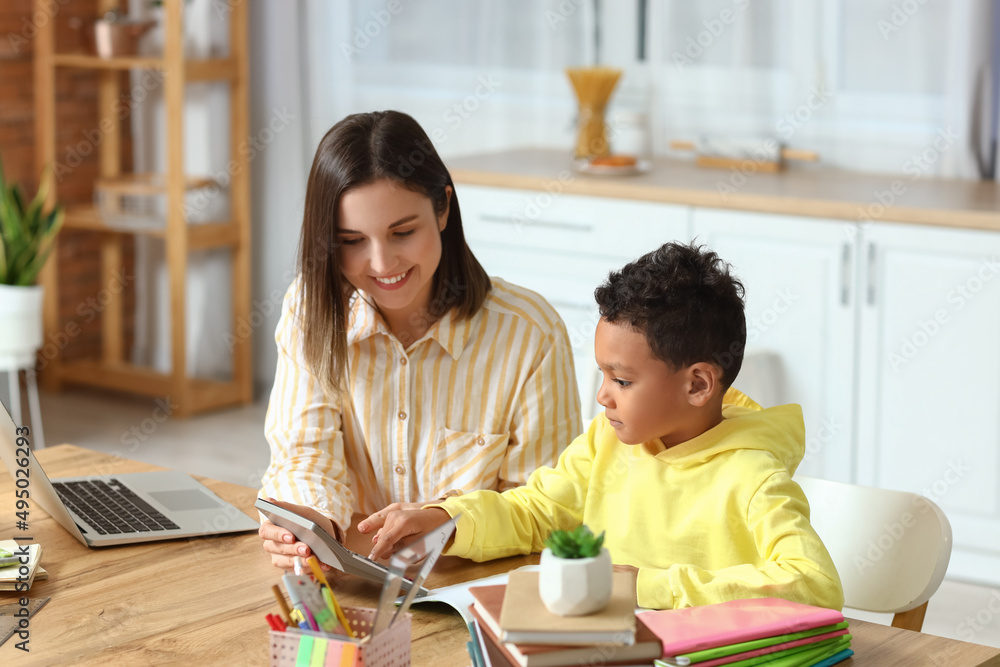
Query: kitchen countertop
[(810, 190)]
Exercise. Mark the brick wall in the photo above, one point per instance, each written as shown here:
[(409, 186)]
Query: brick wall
[(78, 256)]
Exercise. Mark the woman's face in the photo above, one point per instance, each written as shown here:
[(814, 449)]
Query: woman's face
[(390, 246)]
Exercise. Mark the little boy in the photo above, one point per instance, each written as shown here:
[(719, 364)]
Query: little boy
[(689, 480)]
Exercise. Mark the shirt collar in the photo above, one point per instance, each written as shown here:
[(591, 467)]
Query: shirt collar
[(450, 332)]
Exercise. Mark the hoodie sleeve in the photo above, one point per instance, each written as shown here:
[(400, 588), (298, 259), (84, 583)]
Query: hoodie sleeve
[(517, 521), (792, 561)]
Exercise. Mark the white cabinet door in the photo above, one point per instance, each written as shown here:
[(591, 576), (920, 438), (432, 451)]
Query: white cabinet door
[(929, 408), (800, 307), (563, 247)]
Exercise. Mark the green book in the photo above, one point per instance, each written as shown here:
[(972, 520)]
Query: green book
[(808, 654), (732, 649), (800, 656)]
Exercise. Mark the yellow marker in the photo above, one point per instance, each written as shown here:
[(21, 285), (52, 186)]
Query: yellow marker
[(332, 599)]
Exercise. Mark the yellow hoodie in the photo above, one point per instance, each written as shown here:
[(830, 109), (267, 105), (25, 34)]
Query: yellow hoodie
[(715, 518)]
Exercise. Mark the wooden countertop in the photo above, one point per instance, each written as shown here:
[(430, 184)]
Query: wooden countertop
[(813, 191)]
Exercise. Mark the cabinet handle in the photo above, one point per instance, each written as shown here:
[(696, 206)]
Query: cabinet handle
[(871, 274), (551, 224), (845, 275)]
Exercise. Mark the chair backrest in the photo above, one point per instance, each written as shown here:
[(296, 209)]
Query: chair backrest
[(891, 548)]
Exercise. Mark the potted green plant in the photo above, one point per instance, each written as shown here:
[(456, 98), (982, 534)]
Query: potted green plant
[(27, 234), (575, 576)]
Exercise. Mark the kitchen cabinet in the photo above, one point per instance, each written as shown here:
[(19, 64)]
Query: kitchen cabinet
[(929, 377), (800, 308)]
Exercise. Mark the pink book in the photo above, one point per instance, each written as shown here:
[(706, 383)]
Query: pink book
[(700, 628)]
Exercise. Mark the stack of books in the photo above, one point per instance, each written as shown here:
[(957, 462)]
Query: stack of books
[(765, 631), (513, 627), (12, 560)]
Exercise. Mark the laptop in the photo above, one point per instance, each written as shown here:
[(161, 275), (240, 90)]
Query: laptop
[(127, 508)]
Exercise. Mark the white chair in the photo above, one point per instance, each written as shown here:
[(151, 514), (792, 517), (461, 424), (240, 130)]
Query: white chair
[(891, 548)]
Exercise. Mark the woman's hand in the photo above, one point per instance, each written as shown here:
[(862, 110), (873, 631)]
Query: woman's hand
[(281, 543), (626, 568), (398, 525)]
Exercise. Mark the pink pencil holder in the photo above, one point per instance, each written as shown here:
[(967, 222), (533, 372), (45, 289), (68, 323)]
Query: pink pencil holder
[(390, 648)]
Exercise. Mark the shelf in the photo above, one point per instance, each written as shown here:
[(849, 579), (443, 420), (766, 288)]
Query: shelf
[(123, 199), (203, 395), (201, 236), (211, 69)]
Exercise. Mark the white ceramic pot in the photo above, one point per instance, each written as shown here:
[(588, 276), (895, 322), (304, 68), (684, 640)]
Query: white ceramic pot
[(20, 321), (575, 586)]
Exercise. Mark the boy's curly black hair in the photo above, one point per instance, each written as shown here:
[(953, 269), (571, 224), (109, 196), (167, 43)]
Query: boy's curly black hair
[(686, 302)]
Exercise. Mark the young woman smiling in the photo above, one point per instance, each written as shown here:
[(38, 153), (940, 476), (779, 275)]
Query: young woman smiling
[(405, 374)]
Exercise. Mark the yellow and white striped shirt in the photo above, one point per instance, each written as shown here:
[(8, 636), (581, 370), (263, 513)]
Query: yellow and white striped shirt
[(474, 404)]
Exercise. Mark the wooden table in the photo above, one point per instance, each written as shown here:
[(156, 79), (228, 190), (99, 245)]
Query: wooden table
[(203, 600)]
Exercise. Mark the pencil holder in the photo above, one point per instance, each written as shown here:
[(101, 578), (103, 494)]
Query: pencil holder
[(390, 648)]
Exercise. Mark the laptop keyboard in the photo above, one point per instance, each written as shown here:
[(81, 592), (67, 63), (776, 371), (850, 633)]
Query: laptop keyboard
[(111, 508)]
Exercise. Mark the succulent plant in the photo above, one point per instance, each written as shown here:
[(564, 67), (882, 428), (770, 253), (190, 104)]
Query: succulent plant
[(577, 543), (27, 232)]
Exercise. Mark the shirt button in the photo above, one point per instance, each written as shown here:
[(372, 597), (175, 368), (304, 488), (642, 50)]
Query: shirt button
[(481, 442), (402, 416), (400, 470), (402, 362)]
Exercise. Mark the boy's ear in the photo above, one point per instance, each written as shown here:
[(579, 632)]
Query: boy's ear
[(704, 383)]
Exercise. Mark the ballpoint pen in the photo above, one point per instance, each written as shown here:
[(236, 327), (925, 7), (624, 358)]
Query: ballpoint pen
[(328, 595)]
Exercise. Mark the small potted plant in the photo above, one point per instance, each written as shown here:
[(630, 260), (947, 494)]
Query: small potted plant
[(27, 234), (575, 577)]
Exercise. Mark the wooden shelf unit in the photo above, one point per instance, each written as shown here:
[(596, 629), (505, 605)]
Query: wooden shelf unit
[(189, 394)]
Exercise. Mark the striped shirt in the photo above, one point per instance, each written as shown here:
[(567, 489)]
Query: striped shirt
[(476, 403)]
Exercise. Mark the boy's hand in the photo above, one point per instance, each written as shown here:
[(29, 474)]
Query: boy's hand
[(397, 527)]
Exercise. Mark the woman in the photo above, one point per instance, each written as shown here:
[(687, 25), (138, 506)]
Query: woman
[(405, 374)]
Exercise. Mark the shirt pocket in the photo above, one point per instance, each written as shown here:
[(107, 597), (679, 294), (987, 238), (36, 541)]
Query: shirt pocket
[(466, 461)]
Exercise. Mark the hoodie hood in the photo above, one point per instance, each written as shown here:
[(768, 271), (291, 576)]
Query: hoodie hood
[(779, 431)]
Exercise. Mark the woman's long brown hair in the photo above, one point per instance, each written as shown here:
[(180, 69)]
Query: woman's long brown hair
[(361, 149)]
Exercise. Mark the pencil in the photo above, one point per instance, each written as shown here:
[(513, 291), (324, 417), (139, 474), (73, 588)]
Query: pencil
[(321, 578), (285, 611)]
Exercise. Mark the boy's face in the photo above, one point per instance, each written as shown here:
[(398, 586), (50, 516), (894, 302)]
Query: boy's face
[(643, 398)]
